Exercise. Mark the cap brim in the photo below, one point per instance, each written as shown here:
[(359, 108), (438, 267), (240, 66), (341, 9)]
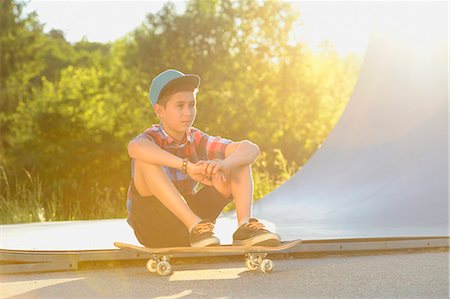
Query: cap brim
[(191, 81)]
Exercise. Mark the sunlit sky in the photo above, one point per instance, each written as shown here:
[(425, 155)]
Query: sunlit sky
[(344, 24)]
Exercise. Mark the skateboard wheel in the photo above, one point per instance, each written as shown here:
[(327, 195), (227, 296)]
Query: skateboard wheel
[(266, 266), (151, 265), (251, 265), (163, 268)]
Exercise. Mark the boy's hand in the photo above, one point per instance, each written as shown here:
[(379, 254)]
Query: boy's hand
[(197, 172), (215, 168)]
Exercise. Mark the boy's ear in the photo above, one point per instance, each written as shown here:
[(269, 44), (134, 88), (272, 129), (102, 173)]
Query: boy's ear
[(157, 109)]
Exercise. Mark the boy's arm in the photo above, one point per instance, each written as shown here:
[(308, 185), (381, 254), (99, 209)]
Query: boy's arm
[(241, 153), (147, 151)]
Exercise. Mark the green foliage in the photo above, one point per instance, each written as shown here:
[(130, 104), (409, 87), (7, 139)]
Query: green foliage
[(67, 111), (19, 63), (73, 124)]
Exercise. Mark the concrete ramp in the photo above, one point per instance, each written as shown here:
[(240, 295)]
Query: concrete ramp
[(383, 170)]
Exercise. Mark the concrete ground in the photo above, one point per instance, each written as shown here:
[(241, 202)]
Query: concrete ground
[(387, 275)]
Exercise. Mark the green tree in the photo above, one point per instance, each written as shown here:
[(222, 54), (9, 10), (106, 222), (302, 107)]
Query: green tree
[(69, 132), (20, 38)]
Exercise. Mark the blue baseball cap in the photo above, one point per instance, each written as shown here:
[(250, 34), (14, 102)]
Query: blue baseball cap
[(170, 78)]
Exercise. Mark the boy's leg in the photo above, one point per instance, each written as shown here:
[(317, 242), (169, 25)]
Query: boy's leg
[(250, 231), (150, 179), (239, 184), (242, 189)]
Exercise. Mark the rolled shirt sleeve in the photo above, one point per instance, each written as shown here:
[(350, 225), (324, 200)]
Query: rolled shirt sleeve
[(210, 147)]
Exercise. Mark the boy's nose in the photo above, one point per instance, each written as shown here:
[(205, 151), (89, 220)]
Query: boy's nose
[(188, 112)]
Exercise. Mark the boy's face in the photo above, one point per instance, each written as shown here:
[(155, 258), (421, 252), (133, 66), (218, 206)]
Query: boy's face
[(179, 113)]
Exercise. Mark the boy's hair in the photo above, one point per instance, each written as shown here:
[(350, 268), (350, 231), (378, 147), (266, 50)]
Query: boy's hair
[(166, 94)]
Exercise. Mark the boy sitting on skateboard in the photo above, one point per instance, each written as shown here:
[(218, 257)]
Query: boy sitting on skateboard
[(172, 161)]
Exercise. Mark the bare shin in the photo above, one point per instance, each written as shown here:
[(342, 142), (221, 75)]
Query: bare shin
[(242, 190)]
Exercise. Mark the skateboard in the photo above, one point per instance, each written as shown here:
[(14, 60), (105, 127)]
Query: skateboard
[(255, 256)]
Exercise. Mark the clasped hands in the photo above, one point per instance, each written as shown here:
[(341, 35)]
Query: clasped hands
[(205, 171)]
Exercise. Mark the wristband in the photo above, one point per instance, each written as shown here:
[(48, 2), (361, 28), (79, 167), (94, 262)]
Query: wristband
[(184, 166)]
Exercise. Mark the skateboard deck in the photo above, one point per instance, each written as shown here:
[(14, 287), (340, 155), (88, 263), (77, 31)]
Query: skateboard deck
[(255, 256)]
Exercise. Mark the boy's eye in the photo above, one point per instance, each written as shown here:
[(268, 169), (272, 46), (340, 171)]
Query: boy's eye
[(181, 105)]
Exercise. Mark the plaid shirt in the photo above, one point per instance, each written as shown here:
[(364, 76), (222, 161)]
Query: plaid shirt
[(195, 146)]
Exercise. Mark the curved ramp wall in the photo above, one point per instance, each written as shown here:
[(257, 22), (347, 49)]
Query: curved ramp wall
[(383, 170)]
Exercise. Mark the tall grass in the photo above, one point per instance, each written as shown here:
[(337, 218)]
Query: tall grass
[(25, 198), (21, 201)]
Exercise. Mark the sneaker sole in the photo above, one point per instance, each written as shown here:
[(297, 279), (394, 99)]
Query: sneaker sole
[(206, 242), (271, 240)]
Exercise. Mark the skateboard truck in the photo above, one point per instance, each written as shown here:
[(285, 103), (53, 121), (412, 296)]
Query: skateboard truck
[(160, 264), (253, 261)]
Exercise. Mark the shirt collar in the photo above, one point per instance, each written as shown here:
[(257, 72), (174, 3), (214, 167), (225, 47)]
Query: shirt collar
[(171, 140)]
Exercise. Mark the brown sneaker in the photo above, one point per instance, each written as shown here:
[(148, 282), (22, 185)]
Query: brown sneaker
[(254, 233), (202, 235)]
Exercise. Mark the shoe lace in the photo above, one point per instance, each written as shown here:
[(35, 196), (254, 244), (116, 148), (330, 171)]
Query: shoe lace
[(204, 227), (255, 225)]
